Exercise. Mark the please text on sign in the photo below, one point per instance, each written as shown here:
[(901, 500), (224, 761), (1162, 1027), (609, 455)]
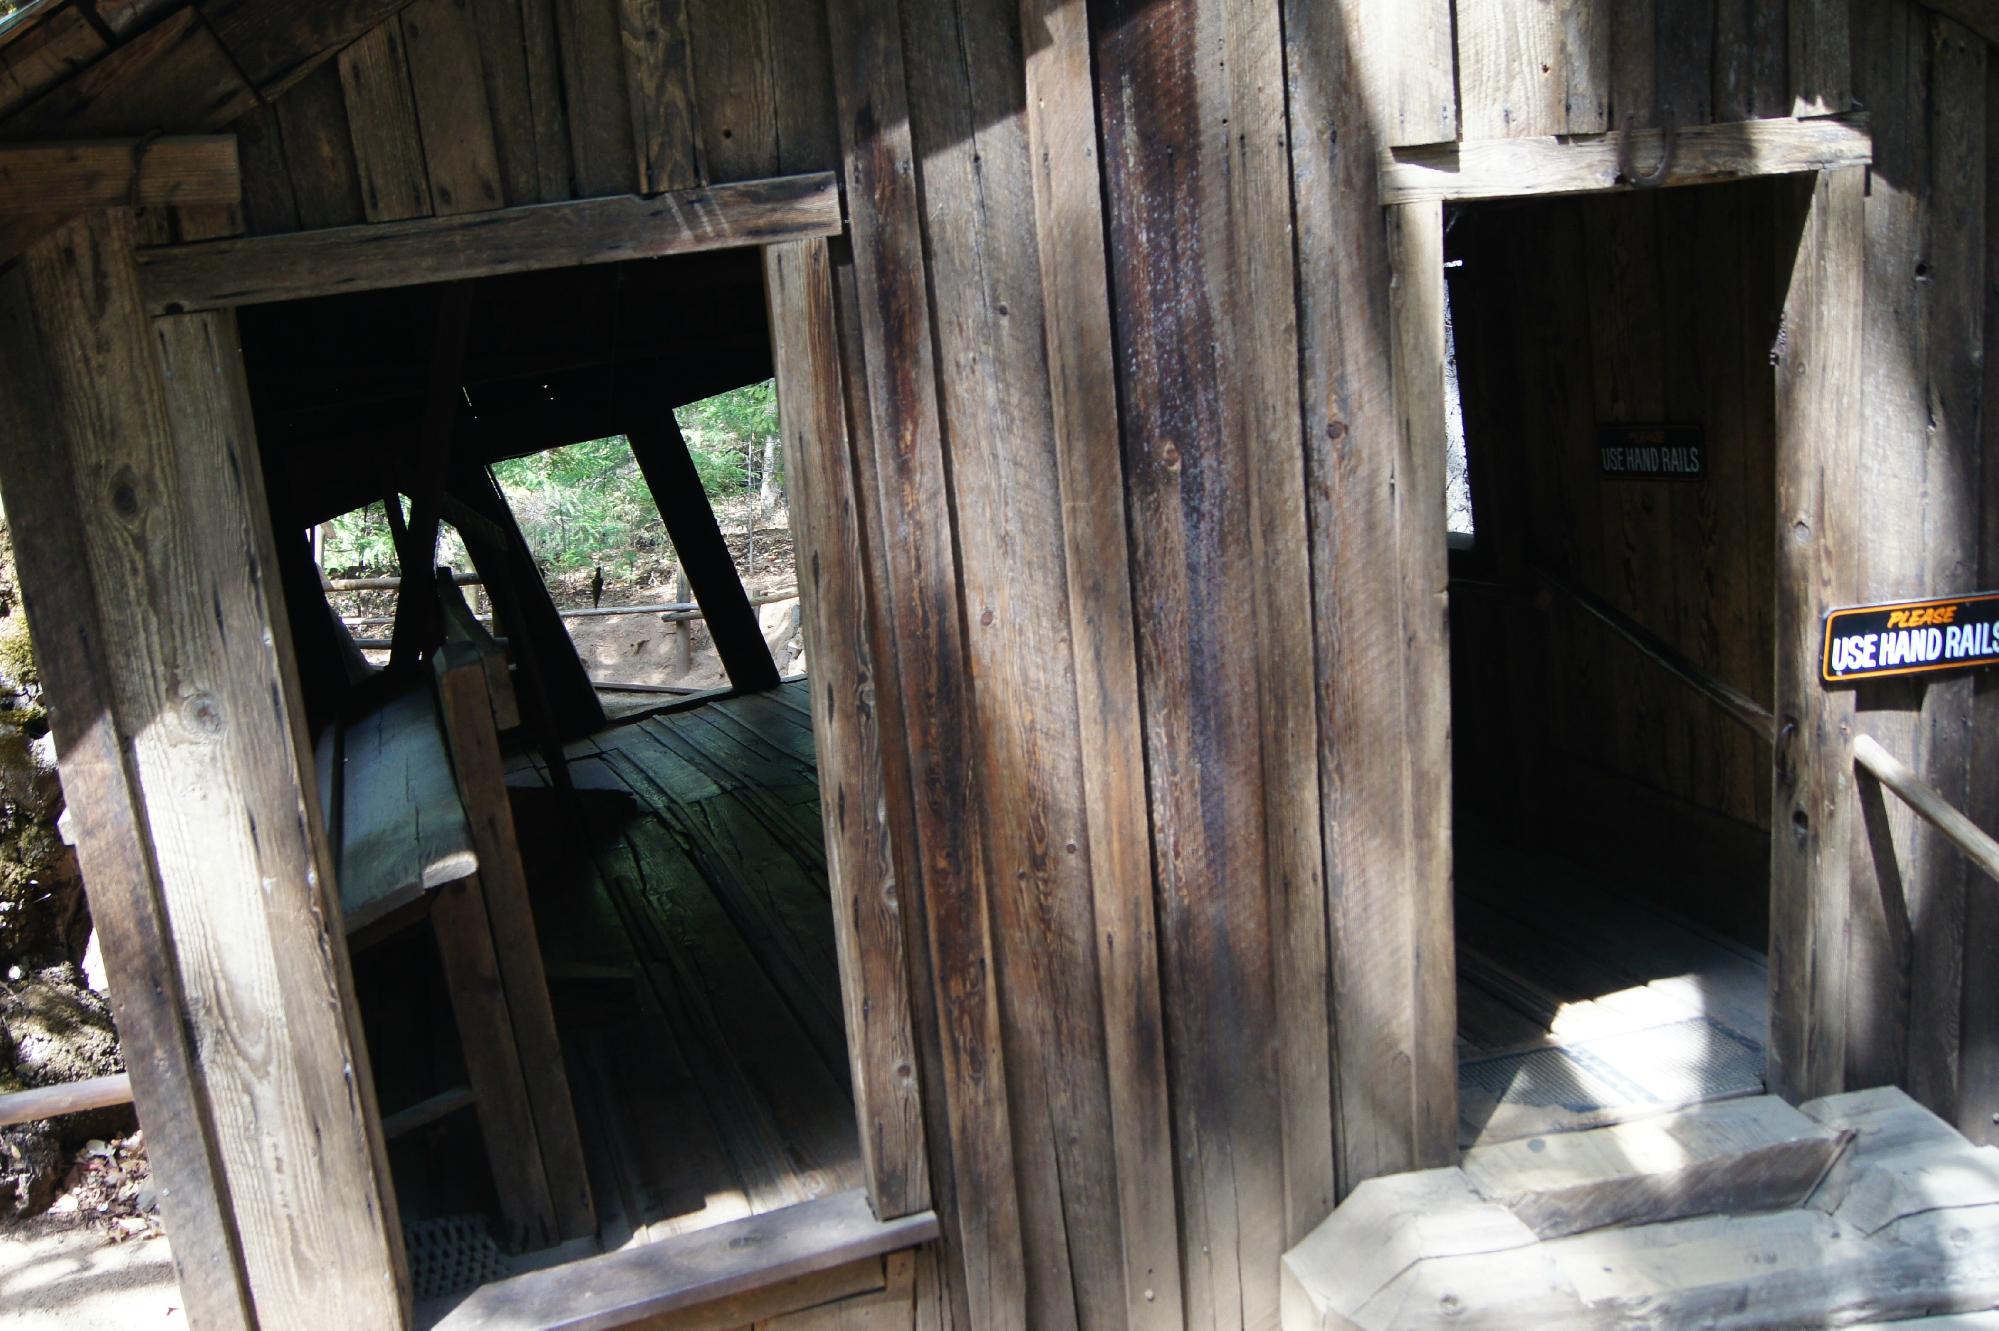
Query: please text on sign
[(1911, 637)]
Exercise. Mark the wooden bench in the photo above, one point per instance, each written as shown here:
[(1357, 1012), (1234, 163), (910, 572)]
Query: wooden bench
[(418, 816)]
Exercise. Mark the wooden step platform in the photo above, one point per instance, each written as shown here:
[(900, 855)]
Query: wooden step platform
[(1890, 1215)]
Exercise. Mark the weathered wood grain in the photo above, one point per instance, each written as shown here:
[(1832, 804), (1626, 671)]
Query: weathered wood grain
[(660, 80), (925, 619), (659, 1279), (319, 151), (268, 205), (1510, 69), (969, 134), (459, 150), (1751, 60), (508, 48), (277, 45), (1082, 373), (1409, 74), (176, 171), (1818, 386), (1382, 1055), (1701, 155), (255, 270), (548, 109), (174, 76), (381, 116), (174, 517), (602, 150), (1191, 386), (807, 126), (107, 807), (40, 54), (1416, 315), (861, 866), (466, 708), (734, 87), (479, 1009), (1821, 63), (1978, 1072)]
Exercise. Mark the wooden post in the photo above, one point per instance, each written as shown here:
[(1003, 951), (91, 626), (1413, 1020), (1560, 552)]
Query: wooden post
[(1416, 312), (683, 630), (833, 589), (1818, 400), (704, 556), (132, 475)]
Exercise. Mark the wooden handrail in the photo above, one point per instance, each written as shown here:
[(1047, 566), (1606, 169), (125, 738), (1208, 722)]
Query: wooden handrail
[(1977, 845), (1733, 701), (72, 1097)]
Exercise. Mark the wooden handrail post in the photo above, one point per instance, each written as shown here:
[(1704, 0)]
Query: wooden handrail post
[(1978, 845)]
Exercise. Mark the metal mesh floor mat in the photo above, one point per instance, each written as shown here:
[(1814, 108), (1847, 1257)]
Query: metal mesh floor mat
[(1682, 1062), (451, 1255)]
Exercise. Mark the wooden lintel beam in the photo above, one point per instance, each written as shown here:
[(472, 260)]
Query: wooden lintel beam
[(1591, 163), (107, 173), (258, 269)]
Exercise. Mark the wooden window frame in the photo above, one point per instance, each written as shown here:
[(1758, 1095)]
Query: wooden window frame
[(173, 321), (1817, 376)]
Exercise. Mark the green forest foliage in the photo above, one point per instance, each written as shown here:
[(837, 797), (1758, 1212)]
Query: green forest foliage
[(587, 505)]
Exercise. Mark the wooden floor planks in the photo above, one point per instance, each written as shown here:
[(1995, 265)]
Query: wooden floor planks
[(1551, 953), (714, 1084)]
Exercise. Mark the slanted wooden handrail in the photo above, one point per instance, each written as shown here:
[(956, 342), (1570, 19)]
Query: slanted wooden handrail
[(1977, 845), (71, 1097), (1734, 702)]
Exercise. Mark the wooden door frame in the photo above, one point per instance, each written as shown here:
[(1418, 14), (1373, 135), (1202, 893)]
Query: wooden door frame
[(1817, 394), (168, 295)]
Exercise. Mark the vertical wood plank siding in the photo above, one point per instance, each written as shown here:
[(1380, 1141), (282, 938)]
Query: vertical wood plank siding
[(1061, 121), (201, 697), (1144, 599), (925, 627)]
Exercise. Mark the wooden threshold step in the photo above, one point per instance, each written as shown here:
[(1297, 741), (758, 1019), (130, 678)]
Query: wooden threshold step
[(673, 1281), (1756, 1154), (1905, 1224)]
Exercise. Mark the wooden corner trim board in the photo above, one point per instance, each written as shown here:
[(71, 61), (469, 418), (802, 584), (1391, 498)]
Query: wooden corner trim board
[(258, 269), (108, 173), (1589, 163), (649, 1282)]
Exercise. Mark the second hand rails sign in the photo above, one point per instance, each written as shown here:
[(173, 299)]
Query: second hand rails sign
[(1910, 638)]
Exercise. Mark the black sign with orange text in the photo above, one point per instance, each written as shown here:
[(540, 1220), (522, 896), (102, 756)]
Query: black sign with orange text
[(1652, 452), (1911, 638)]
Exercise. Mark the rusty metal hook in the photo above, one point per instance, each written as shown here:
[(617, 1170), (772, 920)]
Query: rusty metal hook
[(1627, 152)]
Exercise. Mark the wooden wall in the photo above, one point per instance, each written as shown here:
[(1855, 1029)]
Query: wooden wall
[(1114, 315)]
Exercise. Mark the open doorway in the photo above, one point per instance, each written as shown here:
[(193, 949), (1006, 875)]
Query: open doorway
[(607, 458), (1612, 644)]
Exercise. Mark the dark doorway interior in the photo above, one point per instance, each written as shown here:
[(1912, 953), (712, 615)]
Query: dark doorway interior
[(1612, 366)]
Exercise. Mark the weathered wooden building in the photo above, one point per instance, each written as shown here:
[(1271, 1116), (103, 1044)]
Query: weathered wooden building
[(1111, 348)]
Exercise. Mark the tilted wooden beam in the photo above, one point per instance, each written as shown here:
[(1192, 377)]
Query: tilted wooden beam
[(108, 173), (258, 269), (1583, 164)]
